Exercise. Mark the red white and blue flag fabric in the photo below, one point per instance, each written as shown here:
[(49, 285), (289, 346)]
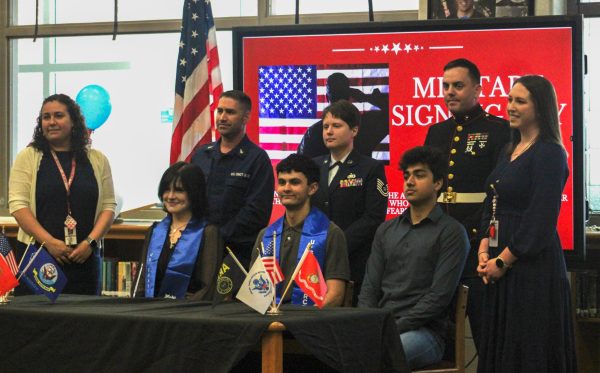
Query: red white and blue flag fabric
[(270, 262), (8, 254), (292, 98), (198, 81)]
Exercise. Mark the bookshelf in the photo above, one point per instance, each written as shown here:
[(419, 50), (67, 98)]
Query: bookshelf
[(122, 247), (585, 292)]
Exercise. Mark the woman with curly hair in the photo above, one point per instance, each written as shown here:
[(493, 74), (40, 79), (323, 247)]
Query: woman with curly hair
[(61, 193)]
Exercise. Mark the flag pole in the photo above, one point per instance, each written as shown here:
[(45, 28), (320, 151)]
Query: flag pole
[(137, 282), (31, 260), (25, 252), (237, 261), (296, 270), (274, 304)]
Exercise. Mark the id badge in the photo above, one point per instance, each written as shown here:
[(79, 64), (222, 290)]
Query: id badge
[(493, 233), (70, 231)]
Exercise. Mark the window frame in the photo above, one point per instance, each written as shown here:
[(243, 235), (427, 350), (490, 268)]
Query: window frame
[(9, 32)]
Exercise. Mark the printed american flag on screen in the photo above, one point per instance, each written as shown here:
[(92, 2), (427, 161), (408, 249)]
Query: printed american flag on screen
[(271, 265), (198, 82), (292, 98), (8, 254)]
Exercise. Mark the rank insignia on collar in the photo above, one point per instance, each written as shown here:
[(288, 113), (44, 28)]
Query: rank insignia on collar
[(351, 176)]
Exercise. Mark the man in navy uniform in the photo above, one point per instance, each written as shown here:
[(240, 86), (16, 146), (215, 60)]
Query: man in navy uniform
[(353, 188), (239, 177), (472, 139)]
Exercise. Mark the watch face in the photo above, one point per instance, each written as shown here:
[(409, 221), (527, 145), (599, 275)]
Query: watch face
[(499, 263)]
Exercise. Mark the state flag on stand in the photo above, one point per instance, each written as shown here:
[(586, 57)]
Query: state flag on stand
[(271, 265), (8, 281), (198, 81), (42, 274), (310, 279), (257, 290), (229, 280)]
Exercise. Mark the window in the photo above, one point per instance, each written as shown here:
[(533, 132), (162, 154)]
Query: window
[(283, 7), (77, 11), (138, 72), (592, 104)]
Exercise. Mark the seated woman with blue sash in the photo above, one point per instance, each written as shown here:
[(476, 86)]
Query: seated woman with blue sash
[(181, 253)]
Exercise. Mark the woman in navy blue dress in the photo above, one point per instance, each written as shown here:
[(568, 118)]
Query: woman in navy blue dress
[(527, 324)]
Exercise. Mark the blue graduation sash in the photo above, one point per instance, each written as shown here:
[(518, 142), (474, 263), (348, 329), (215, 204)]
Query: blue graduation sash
[(182, 262), (315, 228)]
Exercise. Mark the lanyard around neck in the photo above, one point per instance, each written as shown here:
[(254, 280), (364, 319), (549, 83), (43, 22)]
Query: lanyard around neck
[(66, 182)]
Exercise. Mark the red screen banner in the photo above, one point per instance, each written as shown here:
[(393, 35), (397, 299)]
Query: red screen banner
[(408, 67)]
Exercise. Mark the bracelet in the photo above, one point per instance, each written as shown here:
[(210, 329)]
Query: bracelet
[(483, 252)]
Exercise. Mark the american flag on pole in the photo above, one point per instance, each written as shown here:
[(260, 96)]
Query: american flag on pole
[(198, 82), (292, 98), (8, 254), (270, 262)]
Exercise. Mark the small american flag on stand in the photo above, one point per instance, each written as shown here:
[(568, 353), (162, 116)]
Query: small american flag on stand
[(270, 262), (8, 254), (198, 83)]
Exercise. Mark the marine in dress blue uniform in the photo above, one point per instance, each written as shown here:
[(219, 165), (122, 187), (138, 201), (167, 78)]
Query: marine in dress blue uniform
[(473, 140)]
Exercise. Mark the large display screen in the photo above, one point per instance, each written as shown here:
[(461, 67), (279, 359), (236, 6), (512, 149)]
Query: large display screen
[(395, 72)]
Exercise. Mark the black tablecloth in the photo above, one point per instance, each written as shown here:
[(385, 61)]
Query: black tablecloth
[(95, 334)]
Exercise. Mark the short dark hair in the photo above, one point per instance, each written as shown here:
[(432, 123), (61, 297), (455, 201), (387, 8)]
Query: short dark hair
[(79, 132), (463, 62), (300, 163), (240, 97), (427, 155), (193, 182), (344, 110)]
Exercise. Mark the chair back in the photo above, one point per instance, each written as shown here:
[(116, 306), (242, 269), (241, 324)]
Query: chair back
[(458, 365)]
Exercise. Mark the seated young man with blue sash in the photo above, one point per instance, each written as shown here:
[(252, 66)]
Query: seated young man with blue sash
[(297, 182), (181, 254)]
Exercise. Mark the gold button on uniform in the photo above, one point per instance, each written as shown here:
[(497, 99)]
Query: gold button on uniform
[(459, 128), (450, 176), (474, 231), (451, 163), (456, 139), (450, 189), (453, 151)]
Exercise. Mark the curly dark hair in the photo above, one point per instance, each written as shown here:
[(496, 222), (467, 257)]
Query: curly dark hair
[(79, 132)]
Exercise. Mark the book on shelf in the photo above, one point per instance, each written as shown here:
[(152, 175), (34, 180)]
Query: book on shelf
[(118, 277)]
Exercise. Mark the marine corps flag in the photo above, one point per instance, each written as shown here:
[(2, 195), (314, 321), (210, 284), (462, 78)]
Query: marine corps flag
[(229, 280), (310, 280)]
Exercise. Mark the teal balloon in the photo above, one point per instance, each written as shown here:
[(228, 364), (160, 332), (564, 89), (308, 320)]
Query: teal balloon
[(95, 105)]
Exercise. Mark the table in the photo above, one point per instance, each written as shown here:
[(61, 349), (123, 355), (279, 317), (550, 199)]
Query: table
[(89, 333)]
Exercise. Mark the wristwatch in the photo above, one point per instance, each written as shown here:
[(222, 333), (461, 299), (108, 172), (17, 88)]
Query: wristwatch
[(500, 263), (93, 243)]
